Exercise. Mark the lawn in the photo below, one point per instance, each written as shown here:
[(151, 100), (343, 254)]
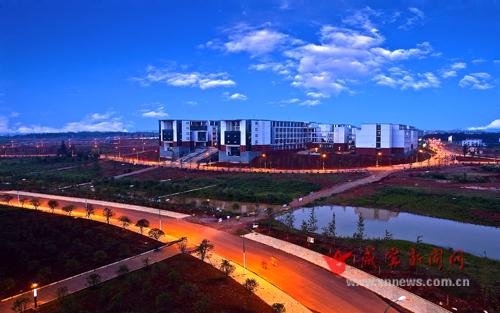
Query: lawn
[(51, 247), (179, 284)]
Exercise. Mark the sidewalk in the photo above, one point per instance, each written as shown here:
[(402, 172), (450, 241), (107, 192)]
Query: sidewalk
[(413, 302), (78, 282)]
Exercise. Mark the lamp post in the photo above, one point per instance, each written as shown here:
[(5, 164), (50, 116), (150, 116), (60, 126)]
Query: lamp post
[(324, 156), (378, 154), (265, 164), (34, 284), (159, 215), (399, 299), (244, 258)]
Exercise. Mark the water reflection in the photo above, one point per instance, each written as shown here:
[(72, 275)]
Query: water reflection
[(245, 207), (445, 233)]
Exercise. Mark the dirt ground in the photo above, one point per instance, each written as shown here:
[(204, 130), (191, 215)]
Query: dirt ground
[(411, 178)]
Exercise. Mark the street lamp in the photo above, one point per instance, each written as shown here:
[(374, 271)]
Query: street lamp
[(399, 299), (34, 284), (378, 154), (244, 258), (265, 164), (324, 156)]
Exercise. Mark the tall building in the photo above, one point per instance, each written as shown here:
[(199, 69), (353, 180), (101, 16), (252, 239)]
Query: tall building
[(387, 139), (180, 137)]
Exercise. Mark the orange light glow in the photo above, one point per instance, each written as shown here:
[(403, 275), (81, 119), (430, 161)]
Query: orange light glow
[(380, 153), (324, 155), (264, 155)]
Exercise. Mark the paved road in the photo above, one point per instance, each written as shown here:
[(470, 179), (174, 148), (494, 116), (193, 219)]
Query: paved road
[(316, 288), (77, 283)]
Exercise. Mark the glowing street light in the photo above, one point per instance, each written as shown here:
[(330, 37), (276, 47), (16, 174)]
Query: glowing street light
[(402, 298), (378, 154), (265, 164), (324, 156), (34, 284)]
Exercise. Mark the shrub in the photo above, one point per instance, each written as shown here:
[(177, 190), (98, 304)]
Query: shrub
[(93, 280), (251, 284), (187, 289), (122, 270), (100, 256), (173, 278), (202, 305), (278, 308), (162, 302)]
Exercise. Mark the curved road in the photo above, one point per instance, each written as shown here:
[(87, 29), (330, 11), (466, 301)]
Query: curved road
[(314, 287)]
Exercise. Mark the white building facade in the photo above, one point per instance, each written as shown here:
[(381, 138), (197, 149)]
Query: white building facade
[(179, 137), (387, 139)]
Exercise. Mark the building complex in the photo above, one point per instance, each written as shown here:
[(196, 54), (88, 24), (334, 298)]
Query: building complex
[(241, 140)]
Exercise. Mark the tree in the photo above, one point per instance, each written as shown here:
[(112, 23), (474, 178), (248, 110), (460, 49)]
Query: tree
[(156, 234), (100, 256), (142, 223), (173, 277), (182, 244), (122, 270), (289, 222), (93, 280), (53, 204), (35, 203), (62, 149), (278, 308), (235, 206), (108, 213), (312, 222), (226, 267), (125, 221), (304, 226), (270, 215), (202, 305), (187, 289), (69, 208), (465, 149), (204, 249), (23, 200), (146, 261), (21, 304), (360, 233), (388, 236), (251, 284), (61, 293), (89, 210), (162, 302), (330, 231), (7, 197)]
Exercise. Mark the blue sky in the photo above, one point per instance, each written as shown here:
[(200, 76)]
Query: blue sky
[(122, 65)]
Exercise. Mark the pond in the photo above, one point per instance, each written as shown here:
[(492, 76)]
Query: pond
[(474, 239)]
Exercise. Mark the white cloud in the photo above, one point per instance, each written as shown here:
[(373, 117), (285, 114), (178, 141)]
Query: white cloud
[(476, 81), (235, 96), (426, 80), (155, 113), (91, 122), (478, 61), (496, 62), (493, 125), (318, 95), (310, 102), (458, 66), (290, 100), (253, 40), (14, 114), (191, 102), (177, 79), (279, 68), (418, 17), (447, 74)]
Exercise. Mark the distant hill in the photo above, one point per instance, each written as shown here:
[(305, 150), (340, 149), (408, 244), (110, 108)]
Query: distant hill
[(487, 138)]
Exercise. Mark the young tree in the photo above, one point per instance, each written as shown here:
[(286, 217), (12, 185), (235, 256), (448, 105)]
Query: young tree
[(125, 221), (53, 204), (22, 201), (204, 249), (270, 215), (21, 305), (93, 280), (122, 270), (312, 222), (69, 208), (182, 244), (289, 222), (360, 233), (142, 223), (278, 308), (465, 149), (89, 210), (226, 267), (304, 226), (35, 203), (108, 213), (61, 293), (187, 289), (156, 234), (235, 206), (251, 284), (330, 231), (7, 197), (162, 302)]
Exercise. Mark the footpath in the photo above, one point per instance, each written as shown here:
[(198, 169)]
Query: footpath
[(413, 302)]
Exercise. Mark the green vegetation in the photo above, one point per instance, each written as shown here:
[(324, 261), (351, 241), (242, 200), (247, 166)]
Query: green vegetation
[(51, 247), (453, 206), (198, 287)]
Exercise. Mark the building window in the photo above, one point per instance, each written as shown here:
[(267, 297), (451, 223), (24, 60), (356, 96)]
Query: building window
[(378, 145), (256, 141), (255, 135), (379, 127), (187, 127), (255, 129), (256, 123)]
